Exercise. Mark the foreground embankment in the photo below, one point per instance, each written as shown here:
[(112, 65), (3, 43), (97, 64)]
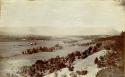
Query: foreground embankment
[(114, 60)]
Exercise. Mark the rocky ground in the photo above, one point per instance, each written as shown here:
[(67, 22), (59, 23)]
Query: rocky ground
[(101, 57), (111, 63), (114, 60), (43, 67)]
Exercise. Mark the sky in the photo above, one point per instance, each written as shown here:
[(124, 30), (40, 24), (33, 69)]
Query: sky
[(62, 17)]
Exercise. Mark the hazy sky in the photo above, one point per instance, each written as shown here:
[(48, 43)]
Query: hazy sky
[(62, 17)]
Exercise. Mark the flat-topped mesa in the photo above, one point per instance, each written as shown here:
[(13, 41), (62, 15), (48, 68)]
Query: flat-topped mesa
[(42, 49)]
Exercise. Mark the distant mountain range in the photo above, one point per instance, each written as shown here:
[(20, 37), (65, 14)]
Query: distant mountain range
[(59, 31), (22, 34), (4, 38), (23, 38)]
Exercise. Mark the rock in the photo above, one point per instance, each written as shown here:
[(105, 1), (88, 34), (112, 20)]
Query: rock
[(84, 72), (73, 74)]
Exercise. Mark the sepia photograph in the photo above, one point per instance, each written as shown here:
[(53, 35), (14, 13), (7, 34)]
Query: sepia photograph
[(62, 38)]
